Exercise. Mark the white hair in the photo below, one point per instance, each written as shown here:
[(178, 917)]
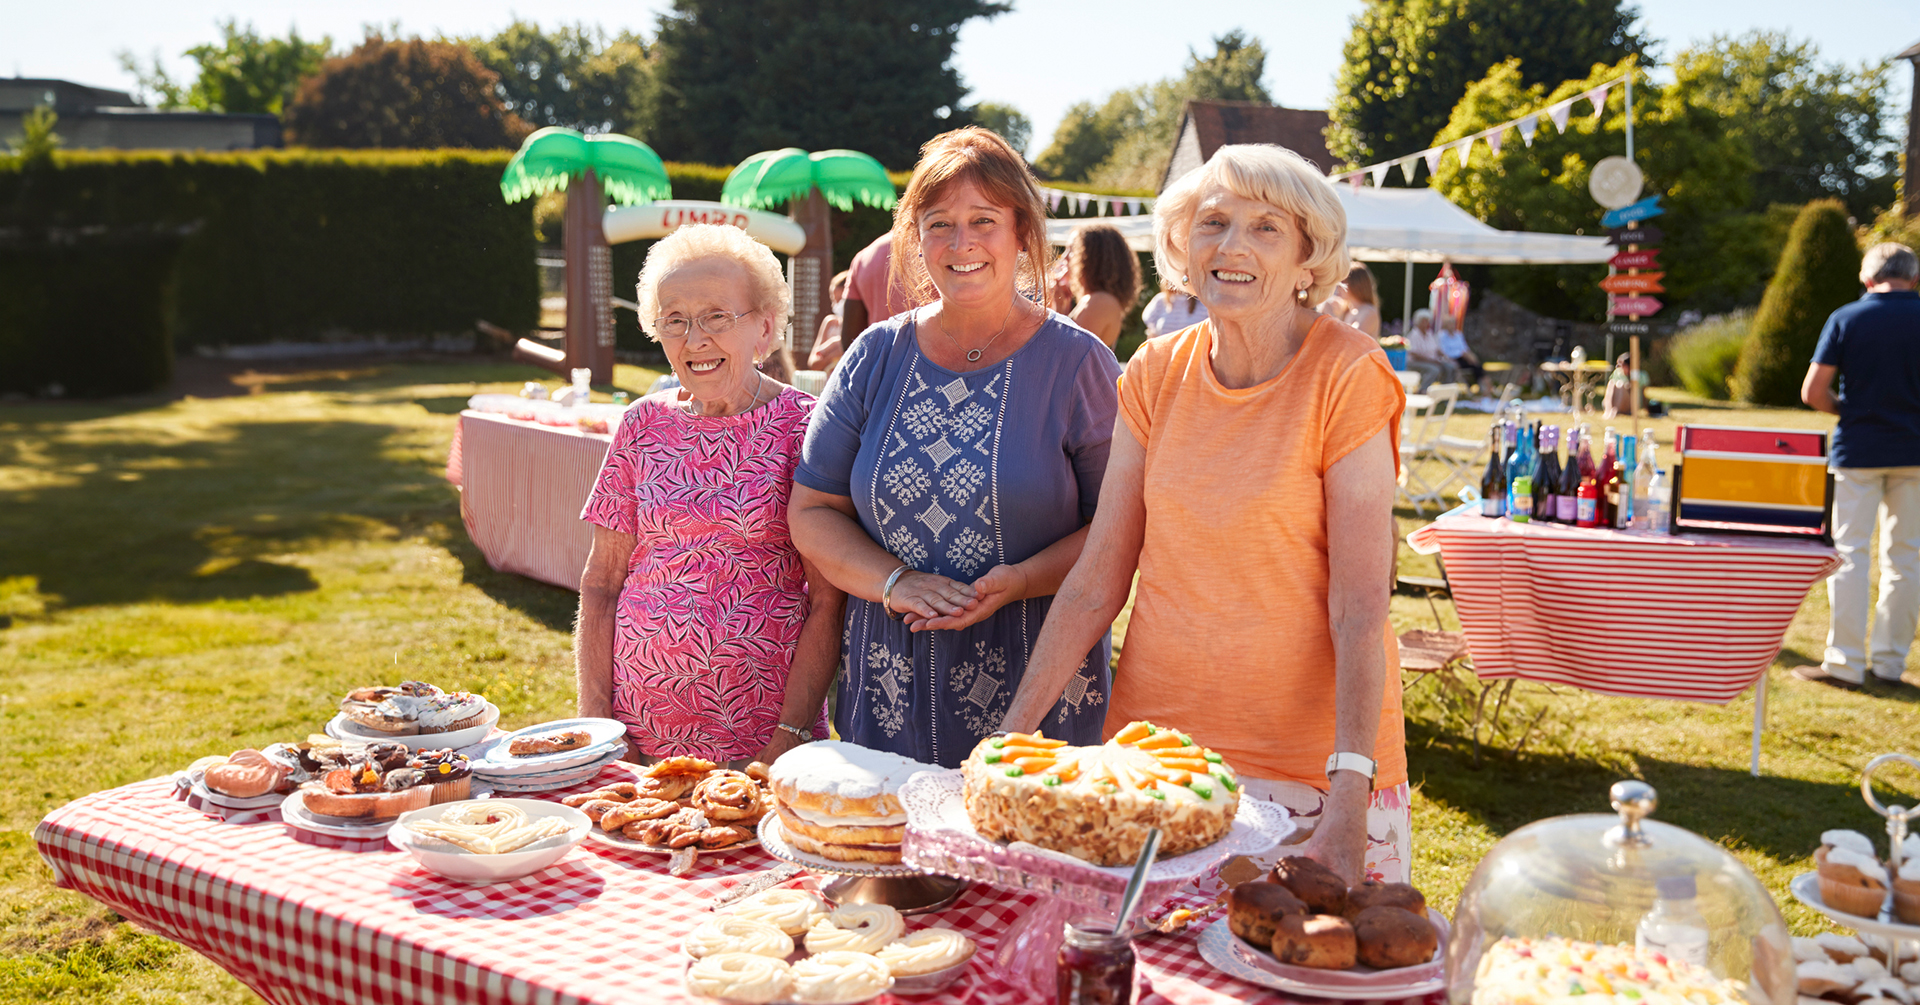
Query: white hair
[(1889, 261), (767, 286), (1265, 173)]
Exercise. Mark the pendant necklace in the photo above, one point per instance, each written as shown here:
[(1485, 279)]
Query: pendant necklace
[(973, 355)]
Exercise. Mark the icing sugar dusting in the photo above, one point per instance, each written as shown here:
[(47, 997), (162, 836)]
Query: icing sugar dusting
[(846, 770)]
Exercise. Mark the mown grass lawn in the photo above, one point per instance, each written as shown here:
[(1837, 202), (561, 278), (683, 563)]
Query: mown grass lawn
[(188, 577)]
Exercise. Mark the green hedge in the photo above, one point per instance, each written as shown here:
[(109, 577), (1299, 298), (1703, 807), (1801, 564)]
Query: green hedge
[(297, 244), (88, 311)]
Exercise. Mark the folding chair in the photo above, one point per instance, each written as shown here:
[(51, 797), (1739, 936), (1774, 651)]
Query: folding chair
[(1408, 379), (1417, 445)]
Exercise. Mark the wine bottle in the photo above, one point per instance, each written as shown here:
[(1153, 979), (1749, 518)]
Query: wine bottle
[(1546, 475), (1569, 486), (1586, 504), (1608, 478), (1493, 482)]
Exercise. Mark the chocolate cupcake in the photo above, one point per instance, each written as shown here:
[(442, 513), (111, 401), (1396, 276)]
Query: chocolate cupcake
[(448, 775)]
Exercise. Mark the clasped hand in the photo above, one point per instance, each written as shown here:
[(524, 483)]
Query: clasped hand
[(930, 602)]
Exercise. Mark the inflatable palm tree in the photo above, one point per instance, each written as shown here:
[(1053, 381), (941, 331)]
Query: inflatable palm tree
[(586, 166), (808, 183)]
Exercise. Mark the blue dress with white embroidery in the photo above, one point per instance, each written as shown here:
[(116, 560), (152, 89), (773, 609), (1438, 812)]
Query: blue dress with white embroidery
[(954, 473)]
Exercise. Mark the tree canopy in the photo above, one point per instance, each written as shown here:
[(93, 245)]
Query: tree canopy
[(1011, 123), (243, 72), (411, 93), (1125, 142), (1715, 254), (1815, 129), (576, 76), (1408, 62), (739, 78)]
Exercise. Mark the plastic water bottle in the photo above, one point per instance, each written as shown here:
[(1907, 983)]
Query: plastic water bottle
[(1675, 927), (581, 393)]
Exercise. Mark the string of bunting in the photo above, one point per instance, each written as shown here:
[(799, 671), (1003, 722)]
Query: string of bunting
[(1559, 113), (1107, 205)]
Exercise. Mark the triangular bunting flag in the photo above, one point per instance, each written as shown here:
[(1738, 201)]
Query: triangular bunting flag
[(1354, 180), (1133, 207), (1494, 140), (1115, 205), (1599, 98), (1558, 113), (1433, 158), (1465, 149), (1080, 205), (1053, 200), (1379, 173), (1407, 167), (1528, 126)]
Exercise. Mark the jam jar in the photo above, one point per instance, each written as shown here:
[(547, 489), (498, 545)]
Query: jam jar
[(1096, 967)]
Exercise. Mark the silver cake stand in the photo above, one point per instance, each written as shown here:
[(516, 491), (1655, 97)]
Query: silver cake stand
[(900, 887)]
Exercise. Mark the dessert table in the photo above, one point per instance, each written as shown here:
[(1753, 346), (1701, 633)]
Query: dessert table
[(1637, 614), (522, 486), (301, 923)]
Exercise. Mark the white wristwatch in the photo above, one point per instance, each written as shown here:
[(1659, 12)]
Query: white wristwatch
[(1347, 760)]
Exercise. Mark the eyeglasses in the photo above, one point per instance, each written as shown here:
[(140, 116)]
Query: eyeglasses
[(715, 323)]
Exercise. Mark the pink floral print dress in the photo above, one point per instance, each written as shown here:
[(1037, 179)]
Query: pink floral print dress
[(715, 596)]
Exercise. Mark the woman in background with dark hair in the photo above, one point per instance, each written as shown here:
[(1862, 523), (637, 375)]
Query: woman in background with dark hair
[(1104, 276)]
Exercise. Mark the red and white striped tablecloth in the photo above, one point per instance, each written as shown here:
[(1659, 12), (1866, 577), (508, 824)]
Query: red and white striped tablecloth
[(1641, 615), (522, 486), (301, 923)]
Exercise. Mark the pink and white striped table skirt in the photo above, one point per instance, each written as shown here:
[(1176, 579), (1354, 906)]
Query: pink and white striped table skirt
[(1638, 615), (522, 486)]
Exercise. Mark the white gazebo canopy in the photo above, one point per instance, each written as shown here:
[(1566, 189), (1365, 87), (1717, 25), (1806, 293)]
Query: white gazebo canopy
[(1406, 225)]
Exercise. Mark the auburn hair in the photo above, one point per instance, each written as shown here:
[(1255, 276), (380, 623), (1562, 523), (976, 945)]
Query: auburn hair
[(980, 156), (1101, 262)]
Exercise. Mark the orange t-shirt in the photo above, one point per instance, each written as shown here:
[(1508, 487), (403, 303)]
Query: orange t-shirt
[(1229, 638)]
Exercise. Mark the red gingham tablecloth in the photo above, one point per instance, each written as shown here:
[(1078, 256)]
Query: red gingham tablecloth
[(522, 486), (302, 923), (1633, 614)]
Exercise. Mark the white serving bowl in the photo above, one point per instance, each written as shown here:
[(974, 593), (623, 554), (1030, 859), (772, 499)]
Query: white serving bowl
[(458, 864)]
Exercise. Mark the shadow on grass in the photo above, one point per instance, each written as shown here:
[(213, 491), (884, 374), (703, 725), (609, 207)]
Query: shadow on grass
[(1779, 817), (549, 605)]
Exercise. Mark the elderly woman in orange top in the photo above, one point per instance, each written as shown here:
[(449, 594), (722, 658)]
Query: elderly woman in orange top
[(1251, 485)]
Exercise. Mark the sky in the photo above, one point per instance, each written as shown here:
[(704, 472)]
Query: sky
[(1041, 58)]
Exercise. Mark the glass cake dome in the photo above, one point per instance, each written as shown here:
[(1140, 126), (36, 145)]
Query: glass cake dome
[(1609, 880)]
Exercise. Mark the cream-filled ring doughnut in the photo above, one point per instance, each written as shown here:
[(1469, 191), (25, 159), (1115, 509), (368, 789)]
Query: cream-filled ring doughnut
[(926, 951), (855, 928), (739, 977), (837, 978), (791, 911), (726, 933)]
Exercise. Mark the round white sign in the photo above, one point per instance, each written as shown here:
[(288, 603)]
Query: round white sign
[(1615, 182)]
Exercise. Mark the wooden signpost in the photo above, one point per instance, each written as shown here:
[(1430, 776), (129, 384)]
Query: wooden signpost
[(1627, 292)]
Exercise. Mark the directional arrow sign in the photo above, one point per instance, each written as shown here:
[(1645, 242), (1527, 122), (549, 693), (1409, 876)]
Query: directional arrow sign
[(1645, 209), (1620, 237), (1635, 259), (1635, 306), (1644, 282)]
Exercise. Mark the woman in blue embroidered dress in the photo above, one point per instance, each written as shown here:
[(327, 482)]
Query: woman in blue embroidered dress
[(952, 465)]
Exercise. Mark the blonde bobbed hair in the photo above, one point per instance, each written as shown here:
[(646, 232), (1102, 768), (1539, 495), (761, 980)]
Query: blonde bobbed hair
[(1265, 173), (766, 284)]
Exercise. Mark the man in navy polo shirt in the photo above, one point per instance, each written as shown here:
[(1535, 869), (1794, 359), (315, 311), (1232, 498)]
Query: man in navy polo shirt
[(1873, 345)]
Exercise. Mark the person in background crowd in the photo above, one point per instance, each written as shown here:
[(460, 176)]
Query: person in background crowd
[(872, 296), (778, 363), (1104, 277), (826, 342), (701, 628), (1171, 310), (1453, 345), (1873, 346), (1251, 487), (1423, 351), (952, 466), (1354, 301)]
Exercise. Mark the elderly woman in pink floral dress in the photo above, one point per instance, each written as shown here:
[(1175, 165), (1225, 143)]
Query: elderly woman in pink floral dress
[(701, 628)]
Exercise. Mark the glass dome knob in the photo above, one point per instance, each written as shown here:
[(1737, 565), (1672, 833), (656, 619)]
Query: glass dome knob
[(1634, 801)]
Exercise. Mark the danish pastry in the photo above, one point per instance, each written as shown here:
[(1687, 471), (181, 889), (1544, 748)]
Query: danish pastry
[(837, 977), (245, 774), (790, 910), (727, 796), (667, 767), (730, 933), (739, 977), (549, 743), (856, 928), (622, 814)]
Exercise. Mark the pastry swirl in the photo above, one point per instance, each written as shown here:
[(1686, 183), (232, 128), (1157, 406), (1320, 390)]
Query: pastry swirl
[(838, 977), (790, 910), (855, 928), (926, 951), (739, 977), (727, 933)]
